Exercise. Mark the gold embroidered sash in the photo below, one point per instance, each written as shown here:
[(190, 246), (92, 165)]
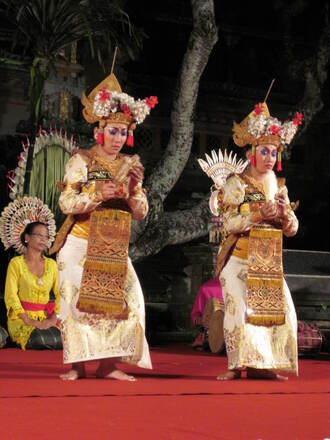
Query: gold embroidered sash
[(104, 276), (264, 286)]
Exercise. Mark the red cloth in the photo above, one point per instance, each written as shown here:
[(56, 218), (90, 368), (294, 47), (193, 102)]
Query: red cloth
[(210, 289), (33, 307), (180, 394)]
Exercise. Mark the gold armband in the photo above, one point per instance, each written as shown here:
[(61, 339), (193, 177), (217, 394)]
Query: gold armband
[(77, 186), (244, 209)]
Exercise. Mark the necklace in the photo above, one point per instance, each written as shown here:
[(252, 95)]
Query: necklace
[(40, 282), (113, 167), (39, 278)]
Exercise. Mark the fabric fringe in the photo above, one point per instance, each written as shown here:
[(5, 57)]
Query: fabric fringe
[(117, 311), (265, 320), (105, 266), (215, 235), (263, 284)]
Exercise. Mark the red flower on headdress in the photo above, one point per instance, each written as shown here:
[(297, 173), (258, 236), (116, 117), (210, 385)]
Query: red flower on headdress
[(152, 101), (298, 119), (258, 109), (104, 95), (275, 129), (125, 109)]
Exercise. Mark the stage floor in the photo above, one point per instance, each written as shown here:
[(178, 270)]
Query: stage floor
[(178, 399)]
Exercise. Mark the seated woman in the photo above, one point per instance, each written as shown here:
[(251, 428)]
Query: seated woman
[(32, 320)]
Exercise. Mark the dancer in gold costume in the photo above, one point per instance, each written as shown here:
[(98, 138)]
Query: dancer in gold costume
[(102, 308), (260, 324)]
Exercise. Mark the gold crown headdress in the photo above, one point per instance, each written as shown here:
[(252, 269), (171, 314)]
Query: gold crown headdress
[(259, 128), (18, 214), (107, 103)]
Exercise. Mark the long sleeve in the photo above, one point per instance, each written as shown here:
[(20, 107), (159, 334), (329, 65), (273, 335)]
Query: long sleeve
[(56, 288), (72, 199), (236, 222), (13, 303), (138, 203), (290, 222)]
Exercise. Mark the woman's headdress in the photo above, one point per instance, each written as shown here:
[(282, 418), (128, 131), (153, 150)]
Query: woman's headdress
[(219, 166), (259, 128), (106, 103), (18, 214)]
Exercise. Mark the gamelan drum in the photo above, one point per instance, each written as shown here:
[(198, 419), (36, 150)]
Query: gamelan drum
[(211, 305), (213, 320)]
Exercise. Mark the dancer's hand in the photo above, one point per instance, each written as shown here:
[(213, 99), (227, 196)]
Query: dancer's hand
[(135, 176), (108, 190), (281, 206), (269, 211), (47, 323)]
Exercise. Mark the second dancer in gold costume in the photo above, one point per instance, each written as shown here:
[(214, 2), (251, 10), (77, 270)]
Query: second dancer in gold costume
[(260, 324)]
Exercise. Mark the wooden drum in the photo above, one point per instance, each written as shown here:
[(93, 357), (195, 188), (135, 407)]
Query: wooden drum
[(212, 320)]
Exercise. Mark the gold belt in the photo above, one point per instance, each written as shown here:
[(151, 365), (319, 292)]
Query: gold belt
[(81, 228), (241, 248)]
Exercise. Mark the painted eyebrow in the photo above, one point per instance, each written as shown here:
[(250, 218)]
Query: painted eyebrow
[(266, 148)]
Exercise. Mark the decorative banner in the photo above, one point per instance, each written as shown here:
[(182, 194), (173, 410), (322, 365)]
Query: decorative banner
[(264, 286), (104, 276)]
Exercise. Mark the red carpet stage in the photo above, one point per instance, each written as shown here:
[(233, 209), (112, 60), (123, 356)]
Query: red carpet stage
[(179, 399)]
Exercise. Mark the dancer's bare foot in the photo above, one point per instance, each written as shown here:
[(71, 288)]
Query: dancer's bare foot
[(230, 375), (77, 372), (253, 373), (119, 375), (107, 370)]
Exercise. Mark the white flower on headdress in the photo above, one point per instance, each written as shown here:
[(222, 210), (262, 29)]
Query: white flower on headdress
[(107, 102), (260, 125), (256, 126), (288, 131)]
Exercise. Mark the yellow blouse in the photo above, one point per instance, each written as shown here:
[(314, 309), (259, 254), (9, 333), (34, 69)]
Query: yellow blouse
[(23, 285)]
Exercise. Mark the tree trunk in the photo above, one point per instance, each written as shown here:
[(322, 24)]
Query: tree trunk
[(160, 228)]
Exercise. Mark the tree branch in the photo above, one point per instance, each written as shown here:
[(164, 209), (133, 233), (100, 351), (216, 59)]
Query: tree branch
[(173, 228)]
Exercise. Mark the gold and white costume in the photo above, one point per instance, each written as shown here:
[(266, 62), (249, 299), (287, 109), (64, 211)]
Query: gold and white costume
[(256, 346), (88, 336)]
